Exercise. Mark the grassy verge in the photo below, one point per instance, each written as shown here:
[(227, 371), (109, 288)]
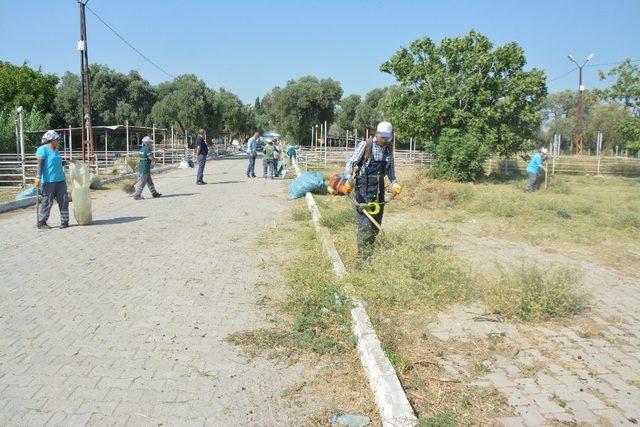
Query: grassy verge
[(313, 325)]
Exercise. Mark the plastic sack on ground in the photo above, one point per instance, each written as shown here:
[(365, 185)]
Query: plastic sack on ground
[(96, 183), (80, 192), (29, 192), (312, 182)]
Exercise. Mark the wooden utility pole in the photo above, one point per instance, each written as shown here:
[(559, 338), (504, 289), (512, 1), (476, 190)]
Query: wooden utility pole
[(88, 148)]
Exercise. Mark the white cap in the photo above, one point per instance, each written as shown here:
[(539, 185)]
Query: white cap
[(544, 150), (147, 140), (385, 129), (50, 135)]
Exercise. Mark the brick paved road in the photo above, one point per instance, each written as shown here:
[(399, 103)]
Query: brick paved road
[(123, 322)]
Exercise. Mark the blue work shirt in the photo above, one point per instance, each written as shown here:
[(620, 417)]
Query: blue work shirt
[(52, 170), (536, 164), (252, 146)]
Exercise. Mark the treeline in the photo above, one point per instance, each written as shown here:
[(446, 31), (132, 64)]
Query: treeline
[(462, 98), (51, 102)]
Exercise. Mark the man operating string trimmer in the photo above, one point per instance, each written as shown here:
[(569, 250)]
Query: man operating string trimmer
[(374, 161)]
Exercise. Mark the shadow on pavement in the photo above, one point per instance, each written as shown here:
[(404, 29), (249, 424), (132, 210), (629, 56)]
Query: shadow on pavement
[(118, 220), (225, 182), (167, 196)]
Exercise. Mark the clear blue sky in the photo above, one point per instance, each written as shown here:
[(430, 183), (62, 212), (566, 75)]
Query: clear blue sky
[(249, 47)]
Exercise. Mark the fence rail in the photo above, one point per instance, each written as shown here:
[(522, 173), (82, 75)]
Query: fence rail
[(571, 165), (315, 157), (11, 175)]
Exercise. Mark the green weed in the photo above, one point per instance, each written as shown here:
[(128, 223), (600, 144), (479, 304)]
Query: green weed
[(338, 217), (530, 293)]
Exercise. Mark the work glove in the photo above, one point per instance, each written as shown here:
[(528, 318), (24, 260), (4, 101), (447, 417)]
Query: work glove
[(397, 188), (348, 186), (37, 182)]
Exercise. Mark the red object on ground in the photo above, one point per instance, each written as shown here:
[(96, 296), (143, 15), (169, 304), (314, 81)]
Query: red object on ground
[(337, 185)]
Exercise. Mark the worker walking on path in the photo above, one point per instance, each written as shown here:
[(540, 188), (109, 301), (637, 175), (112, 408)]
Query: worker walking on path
[(51, 180), (371, 162), (268, 160), (144, 170), (201, 154), (252, 153), (535, 167)]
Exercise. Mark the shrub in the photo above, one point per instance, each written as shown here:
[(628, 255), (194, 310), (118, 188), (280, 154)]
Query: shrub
[(530, 293), (460, 155)]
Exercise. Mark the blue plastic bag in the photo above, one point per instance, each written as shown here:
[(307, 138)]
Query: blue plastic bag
[(312, 182), (29, 192)]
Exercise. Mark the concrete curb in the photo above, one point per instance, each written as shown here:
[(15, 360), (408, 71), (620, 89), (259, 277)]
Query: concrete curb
[(393, 405), (30, 201)]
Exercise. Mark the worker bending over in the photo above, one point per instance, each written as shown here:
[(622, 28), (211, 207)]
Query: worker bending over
[(371, 162), (535, 167)]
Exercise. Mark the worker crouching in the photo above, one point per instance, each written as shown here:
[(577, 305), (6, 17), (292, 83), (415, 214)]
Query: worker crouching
[(371, 162)]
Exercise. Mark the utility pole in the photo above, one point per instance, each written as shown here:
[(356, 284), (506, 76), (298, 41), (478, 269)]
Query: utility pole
[(580, 133), (88, 148)]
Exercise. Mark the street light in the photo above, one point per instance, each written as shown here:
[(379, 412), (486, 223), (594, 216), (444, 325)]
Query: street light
[(579, 136)]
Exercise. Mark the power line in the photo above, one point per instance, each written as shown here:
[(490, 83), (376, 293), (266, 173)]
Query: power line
[(590, 65), (129, 44), (563, 75), (611, 63)]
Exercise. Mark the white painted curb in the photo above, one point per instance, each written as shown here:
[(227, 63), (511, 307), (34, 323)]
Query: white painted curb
[(393, 405), (30, 201)]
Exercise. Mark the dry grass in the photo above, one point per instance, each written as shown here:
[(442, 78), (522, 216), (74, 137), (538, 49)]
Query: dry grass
[(312, 325)]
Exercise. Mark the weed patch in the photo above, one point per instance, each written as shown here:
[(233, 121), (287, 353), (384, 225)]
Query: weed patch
[(530, 293)]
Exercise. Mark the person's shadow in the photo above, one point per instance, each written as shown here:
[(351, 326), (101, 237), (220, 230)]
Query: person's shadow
[(118, 220), (167, 196)]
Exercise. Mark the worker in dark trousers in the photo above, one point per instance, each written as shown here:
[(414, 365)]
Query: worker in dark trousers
[(144, 170), (51, 180), (252, 153), (371, 162), (201, 154)]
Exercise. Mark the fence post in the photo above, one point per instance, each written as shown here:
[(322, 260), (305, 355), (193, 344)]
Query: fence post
[(106, 151), (70, 144), (126, 124), (21, 124), (346, 144), (153, 136), (598, 150), (325, 144)]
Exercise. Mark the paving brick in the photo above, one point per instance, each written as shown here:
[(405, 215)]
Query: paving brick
[(511, 421), (582, 413)]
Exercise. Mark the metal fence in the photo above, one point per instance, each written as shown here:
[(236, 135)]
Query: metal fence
[(571, 165), (318, 157), (11, 166)]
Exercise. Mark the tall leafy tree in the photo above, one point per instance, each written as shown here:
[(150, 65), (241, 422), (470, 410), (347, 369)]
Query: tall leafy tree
[(22, 85), (464, 83), (67, 101), (369, 113), (626, 88), (188, 103), (301, 104), (345, 117)]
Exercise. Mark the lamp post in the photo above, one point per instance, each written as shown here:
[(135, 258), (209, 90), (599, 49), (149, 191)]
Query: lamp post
[(579, 136)]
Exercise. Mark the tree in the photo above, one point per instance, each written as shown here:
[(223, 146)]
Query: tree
[(22, 85), (466, 84), (67, 101), (301, 104), (139, 98), (369, 113), (626, 89), (187, 102), (345, 117), (33, 120)]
